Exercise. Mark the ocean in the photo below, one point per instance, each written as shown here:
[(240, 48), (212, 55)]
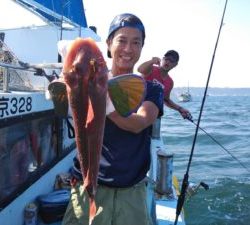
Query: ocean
[(225, 118)]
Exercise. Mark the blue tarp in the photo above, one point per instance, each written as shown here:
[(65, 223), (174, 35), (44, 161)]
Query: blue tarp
[(71, 9)]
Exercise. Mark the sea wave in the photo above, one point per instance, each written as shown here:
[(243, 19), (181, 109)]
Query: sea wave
[(220, 158)]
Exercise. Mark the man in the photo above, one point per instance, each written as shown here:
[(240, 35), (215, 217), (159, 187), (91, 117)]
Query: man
[(125, 159), (158, 70)]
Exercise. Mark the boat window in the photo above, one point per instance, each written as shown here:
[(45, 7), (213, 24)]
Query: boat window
[(25, 148)]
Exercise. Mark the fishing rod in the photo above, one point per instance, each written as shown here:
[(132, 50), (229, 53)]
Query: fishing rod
[(217, 142), (181, 198)]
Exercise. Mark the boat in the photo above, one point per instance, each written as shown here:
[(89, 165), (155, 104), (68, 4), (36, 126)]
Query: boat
[(185, 96), (36, 146)]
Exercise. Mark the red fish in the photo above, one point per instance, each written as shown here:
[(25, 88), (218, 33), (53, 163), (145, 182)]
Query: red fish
[(86, 77), (85, 74)]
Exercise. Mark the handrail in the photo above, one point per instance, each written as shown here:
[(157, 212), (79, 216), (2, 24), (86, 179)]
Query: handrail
[(6, 78), (156, 129), (32, 67), (12, 66), (37, 69)]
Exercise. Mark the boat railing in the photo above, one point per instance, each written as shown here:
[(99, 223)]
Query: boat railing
[(5, 74), (5, 79), (156, 129), (162, 191), (162, 161), (20, 76)]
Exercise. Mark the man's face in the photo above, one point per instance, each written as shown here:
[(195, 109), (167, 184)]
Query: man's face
[(125, 49), (168, 63)]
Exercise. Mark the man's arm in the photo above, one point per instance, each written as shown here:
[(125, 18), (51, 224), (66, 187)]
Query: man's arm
[(146, 68), (184, 112), (145, 116)]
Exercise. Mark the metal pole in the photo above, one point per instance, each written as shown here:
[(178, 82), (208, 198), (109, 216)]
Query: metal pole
[(6, 80)]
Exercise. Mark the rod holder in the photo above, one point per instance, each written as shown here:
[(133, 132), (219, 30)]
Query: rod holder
[(164, 177), (156, 129)]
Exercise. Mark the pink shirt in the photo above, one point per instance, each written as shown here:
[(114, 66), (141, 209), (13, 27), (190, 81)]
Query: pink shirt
[(167, 82)]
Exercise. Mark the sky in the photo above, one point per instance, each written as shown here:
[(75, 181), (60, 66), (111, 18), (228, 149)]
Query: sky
[(191, 27)]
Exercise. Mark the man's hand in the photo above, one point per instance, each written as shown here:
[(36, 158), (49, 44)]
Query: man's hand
[(185, 113), (156, 61)]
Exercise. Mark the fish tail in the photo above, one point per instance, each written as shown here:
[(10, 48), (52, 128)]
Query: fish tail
[(92, 210), (127, 93), (92, 204)]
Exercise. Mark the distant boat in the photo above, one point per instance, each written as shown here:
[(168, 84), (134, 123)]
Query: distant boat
[(185, 96)]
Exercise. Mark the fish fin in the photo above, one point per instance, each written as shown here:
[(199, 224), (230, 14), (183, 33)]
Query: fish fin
[(92, 205), (127, 93), (92, 210), (58, 93)]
